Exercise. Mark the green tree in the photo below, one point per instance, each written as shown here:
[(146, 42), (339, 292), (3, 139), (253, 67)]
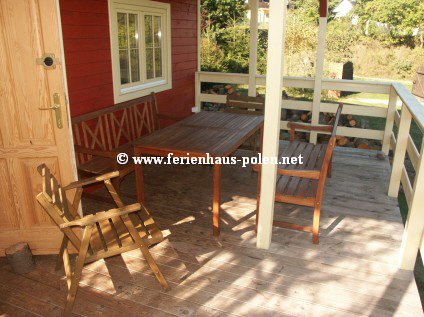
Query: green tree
[(219, 14), (401, 16)]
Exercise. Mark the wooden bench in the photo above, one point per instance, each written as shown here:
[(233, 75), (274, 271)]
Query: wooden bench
[(101, 135), (303, 183)]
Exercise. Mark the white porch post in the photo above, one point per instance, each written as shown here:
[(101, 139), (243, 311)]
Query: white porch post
[(197, 105), (322, 30), (253, 47), (274, 84), (414, 225)]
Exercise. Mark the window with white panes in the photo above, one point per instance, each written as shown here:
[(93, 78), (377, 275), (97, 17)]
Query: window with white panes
[(140, 39)]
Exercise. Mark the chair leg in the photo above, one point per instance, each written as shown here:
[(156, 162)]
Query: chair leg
[(76, 276), (63, 246), (145, 251), (315, 225)]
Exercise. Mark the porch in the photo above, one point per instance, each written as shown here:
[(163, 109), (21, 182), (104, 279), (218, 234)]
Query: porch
[(353, 271)]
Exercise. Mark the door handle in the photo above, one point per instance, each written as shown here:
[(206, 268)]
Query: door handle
[(57, 109)]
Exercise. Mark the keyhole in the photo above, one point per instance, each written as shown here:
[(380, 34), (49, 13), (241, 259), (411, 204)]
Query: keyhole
[(48, 61)]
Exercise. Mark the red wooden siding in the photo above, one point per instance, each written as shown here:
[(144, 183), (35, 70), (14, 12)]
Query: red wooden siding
[(85, 25)]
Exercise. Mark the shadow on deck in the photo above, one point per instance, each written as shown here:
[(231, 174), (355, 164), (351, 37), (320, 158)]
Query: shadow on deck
[(351, 272)]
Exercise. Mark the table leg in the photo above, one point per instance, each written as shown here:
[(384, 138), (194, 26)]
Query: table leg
[(139, 180), (216, 209)]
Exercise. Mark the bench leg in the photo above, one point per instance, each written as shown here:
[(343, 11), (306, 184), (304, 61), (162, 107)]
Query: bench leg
[(315, 225)]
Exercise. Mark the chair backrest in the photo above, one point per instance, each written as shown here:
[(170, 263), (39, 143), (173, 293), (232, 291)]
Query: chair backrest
[(331, 144), (111, 127), (55, 203), (245, 104)]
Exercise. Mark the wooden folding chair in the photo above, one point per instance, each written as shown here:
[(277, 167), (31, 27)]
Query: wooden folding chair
[(303, 183), (104, 234)]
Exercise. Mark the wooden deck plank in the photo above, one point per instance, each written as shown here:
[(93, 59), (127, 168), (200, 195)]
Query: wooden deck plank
[(351, 272)]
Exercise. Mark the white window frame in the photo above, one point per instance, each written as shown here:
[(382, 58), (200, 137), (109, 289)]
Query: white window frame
[(125, 92)]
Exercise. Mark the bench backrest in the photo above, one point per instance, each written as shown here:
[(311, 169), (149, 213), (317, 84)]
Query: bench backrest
[(120, 124), (55, 203), (245, 104)]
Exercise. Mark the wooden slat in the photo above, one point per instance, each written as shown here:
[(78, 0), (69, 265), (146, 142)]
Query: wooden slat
[(407, 187), (412, 151)]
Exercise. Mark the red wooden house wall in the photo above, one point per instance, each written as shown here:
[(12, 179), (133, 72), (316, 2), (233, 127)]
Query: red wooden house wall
[(85, 27)]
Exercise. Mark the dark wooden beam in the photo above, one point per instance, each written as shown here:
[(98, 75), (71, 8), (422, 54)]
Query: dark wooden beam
[(322, 8)]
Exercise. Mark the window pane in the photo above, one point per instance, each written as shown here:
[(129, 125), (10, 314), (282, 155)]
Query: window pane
[(149, 31), (133, 30), (122, 30), (124, 66), (149, 63), (158, 62), (157, 29), (135, 69)]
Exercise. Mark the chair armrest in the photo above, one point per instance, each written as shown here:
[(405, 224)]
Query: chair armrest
[(313, 174), (171, 117), (91, 180), (84, 150), (105, 215), (308, 127)]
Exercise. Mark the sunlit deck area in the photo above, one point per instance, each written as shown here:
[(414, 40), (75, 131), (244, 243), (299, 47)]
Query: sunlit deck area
[(353, 271)]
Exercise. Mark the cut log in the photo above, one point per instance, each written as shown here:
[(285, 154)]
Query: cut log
[(342, 141), (352, 123), (20, 258), (362, 143)]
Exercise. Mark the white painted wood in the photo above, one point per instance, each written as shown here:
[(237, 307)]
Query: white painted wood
[(355, 110), (393, 142), (407, 187), (197, 100), (212, 98), (400, 151), (397, 118), (253, 47), (273, 101), (302, 82), (416, 109), (412, 152), (322, 30), (349, 132), (414, 225), (390, 117)]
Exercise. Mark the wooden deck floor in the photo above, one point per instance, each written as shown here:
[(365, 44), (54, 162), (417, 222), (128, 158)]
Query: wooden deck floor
[(351, 272)]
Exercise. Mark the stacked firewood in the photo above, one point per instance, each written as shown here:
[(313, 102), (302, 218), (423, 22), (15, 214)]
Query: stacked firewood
[(347, 120)]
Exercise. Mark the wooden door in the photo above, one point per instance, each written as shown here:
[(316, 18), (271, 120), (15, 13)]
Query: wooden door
[(29, 136)]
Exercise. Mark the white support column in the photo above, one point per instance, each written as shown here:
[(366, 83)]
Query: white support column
[(390, 119), (253, 47), (414, 225), (197, 105), (322, 30), (400, 151), (273, 101)]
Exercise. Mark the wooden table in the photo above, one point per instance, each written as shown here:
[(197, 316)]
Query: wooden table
[(215, 133)]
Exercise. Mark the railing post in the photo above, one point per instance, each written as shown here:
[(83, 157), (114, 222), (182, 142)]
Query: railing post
[(414, 225), (316, 103), (197, 83), (400, 151), (253, 47), (390, 118)]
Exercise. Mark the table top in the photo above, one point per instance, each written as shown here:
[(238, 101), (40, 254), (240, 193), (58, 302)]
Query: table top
[(216, 133)]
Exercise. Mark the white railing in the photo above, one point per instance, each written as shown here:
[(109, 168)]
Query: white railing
[(401, 143)]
